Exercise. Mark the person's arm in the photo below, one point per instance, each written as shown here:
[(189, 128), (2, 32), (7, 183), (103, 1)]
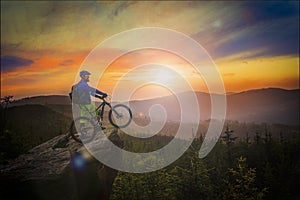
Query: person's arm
[(98, 92), (95, 92)]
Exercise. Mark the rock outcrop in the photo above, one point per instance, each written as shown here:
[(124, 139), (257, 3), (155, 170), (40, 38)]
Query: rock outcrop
[(51, 172)]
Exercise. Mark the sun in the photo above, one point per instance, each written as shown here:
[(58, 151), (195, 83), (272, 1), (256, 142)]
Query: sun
[(164, 76)]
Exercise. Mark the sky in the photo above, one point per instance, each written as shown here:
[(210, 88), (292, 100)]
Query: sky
[(44, 43)]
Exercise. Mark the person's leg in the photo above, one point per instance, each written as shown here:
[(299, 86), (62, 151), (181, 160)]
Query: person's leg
[(87, 111), (90, 111)]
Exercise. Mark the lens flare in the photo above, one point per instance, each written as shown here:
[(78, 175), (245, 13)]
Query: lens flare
[(78, 161)]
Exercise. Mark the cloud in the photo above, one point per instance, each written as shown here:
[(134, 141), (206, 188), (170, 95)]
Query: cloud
[(66, 62), (278, 38), (54, 24), (11, 63), (242, 55), (19, 81), (269, 11), (52, 34), (121, 7), (273, 26)]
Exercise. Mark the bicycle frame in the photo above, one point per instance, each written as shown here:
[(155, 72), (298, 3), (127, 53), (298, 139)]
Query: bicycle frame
[(102, 106), (94, 120)]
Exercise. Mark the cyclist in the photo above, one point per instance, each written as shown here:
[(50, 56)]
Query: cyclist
[(87, 108)]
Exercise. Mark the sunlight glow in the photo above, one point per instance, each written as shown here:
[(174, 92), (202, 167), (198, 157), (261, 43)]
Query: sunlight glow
[(164, 76)]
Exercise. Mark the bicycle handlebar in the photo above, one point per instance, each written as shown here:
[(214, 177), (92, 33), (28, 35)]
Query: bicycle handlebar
[(100, 97), (106, 99)]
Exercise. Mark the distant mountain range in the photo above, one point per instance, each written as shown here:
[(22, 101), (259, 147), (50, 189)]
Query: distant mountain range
[(265, 105), (43, 100), (270, 105)]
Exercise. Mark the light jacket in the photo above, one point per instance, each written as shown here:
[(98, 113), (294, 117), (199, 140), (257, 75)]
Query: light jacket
[(85, 92)]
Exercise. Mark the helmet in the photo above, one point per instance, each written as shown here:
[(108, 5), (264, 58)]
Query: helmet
[(84, 72)]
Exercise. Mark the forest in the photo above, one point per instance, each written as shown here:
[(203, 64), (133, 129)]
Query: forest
[(247, 162), (258, 167)]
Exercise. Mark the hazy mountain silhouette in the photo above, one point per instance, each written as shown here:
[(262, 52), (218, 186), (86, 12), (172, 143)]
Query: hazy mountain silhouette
[(265, 105), (43, 100), (270, 105)]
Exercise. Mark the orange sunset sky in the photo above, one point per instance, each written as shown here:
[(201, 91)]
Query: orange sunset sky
[(43, 43)]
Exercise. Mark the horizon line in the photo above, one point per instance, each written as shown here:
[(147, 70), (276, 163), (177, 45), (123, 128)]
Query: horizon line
[(227, 93)]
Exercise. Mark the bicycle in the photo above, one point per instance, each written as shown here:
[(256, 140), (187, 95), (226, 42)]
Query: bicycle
[(84, 129)]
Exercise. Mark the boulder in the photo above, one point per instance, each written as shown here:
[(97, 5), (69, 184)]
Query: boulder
[(57, 169)]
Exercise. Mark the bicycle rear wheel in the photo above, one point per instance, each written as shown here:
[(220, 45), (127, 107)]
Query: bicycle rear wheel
[(120, 116), (83, 130)]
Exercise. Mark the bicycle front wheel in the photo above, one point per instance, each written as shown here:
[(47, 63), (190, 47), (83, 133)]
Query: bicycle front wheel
[(120, 116), (83, 130)]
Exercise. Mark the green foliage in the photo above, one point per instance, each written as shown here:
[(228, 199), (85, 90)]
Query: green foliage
[(28, 126), (241, 183), (271, 170)]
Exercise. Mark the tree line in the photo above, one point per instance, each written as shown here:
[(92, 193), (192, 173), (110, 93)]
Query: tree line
[(258, 167)]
